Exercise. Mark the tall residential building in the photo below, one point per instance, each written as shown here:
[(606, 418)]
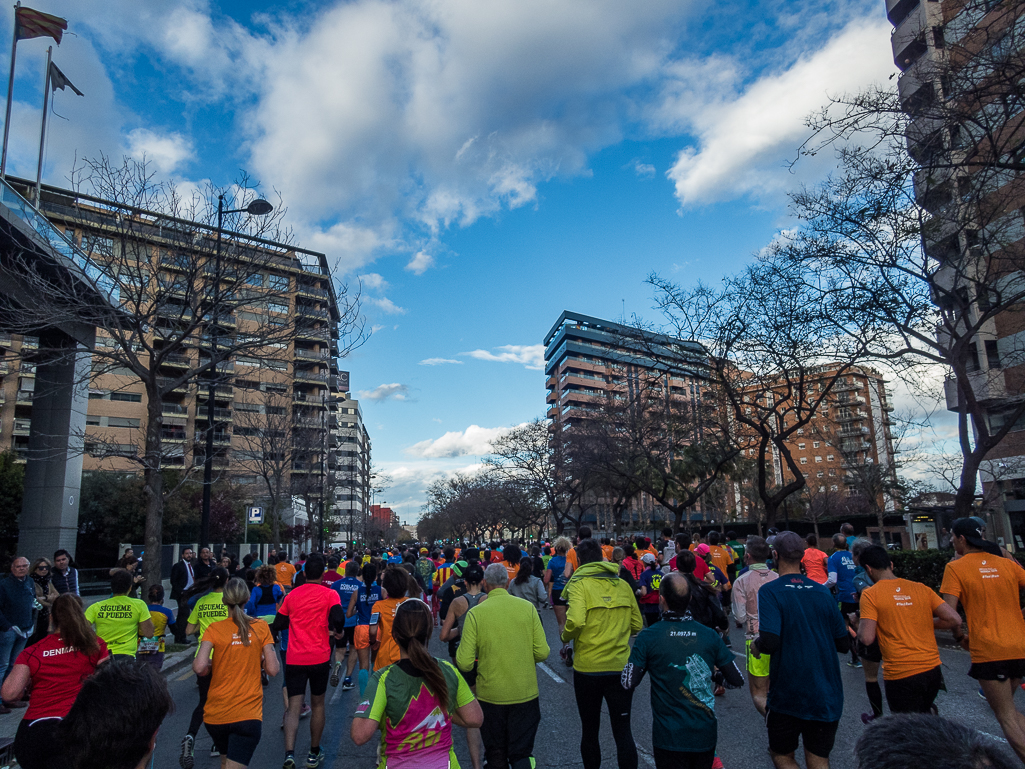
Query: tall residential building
[(961, 70), (351, 442), (270, 405)]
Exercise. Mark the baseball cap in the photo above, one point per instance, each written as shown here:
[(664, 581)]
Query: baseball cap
[(423, 549), (970, 529), (458, 566), (648, 558), (789, 545), (702, 549)]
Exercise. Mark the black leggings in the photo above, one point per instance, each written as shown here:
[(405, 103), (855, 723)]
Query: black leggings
[(197, 714), (590, 690), (35, 741), (237, 741)]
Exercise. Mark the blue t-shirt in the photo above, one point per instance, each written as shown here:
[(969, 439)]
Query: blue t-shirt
[(345, 588), (842, 562), (804, 673), (365, 602), (395, 559), (557, 563), (652, 580)]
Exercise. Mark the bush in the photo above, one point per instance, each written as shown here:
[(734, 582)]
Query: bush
[(925, 566)]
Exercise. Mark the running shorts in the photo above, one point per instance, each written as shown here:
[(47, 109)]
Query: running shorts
[(786, 733), (672, 759), (914, 694), (237, 741), (757, 666), (297, 676), (1002, 670), (557, 599), (361, 637), (347, 637)]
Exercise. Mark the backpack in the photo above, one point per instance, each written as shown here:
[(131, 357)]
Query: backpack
[(705, 607)]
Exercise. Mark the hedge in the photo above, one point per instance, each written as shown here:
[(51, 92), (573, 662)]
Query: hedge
[(926, 566)]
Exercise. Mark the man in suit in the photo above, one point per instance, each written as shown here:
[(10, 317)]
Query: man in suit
[(206, 563), (182, 577)]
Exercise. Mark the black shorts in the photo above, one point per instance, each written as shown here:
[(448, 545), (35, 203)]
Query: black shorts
[(914, 694), (1002, 670), (297, 676), (34, 741), (557, 599), (786, 732), (348, 638), (673, 759), (237, 741)]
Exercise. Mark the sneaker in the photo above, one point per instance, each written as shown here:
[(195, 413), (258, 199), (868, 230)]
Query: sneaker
[(347, 684), (854, 663), (214, 752), (719, 691), (187, 757), (867, 718), (336, 673), (289, 762), (305, 711), (982, 693), (313, 760)]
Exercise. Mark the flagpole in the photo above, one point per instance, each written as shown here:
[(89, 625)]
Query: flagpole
[(10, 94), (42, 130)]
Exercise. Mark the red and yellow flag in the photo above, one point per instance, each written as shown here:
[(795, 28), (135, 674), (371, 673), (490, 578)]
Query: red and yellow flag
[(31, 23)]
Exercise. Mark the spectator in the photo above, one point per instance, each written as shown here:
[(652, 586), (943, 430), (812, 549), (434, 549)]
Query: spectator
[(121, 619), (504, 637), (45, 593), (114, 721), (205, 565), (182, 578), (65, 573), (908, 739), (17, 594), (54, 670), (602, 615)]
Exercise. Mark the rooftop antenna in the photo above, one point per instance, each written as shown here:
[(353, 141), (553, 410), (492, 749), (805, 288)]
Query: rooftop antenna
[(624, 309)]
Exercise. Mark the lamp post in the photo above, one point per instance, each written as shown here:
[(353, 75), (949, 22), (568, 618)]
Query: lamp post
[(258, 207)]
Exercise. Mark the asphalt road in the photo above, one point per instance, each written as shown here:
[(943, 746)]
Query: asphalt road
[(742, 739)]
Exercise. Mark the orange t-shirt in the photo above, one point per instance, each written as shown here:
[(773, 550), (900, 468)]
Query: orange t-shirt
[(607, 552), (987, 586), (903, 611), (513, 570), (285, 572), (814, 561), (496, 556), (235, 690), (722, 557), (571, 558), (388, 651)]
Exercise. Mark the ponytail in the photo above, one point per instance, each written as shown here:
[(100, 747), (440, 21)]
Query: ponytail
[(411, 630), (75, 630), (369, 575), (526, 569), (236, 595)]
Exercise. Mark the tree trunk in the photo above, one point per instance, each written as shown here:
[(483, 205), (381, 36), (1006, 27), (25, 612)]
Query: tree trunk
[(152, 566)]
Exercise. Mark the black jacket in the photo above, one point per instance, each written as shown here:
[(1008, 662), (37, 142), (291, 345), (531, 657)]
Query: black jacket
[(179, 579)]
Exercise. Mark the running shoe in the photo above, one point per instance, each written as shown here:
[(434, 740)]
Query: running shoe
[(717, 763), (566, 654), (187, 757), (313, 760), (336, 673), (854, 663), (347, 684), (982, 693), (289, 762), (719, 691), (305, 711)]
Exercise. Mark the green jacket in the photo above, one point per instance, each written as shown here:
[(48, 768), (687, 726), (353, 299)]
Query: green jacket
[(601, 616), (503, 634)]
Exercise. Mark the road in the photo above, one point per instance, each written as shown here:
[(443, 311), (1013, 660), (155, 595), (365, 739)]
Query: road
[(742, 739)]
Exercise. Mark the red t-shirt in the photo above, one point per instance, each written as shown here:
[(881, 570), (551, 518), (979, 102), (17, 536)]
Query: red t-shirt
[(700, 567), (308, 607), (57, 675)]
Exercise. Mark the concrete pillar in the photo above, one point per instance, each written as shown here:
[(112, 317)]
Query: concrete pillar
[(53, 473)]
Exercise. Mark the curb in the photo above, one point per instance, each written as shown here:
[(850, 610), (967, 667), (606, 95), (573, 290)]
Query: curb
[(175, 662)]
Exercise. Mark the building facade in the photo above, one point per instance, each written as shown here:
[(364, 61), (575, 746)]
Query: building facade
[(351, 443)]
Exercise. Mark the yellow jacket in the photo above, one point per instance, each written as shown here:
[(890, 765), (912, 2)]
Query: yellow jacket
[(601, 617)]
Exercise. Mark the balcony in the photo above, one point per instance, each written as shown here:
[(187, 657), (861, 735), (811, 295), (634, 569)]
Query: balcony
[(312, 312), (164, 383), (5, 339), (313, 334), (989, 388), (311, 376), (220, 390), (308, 290), (176, 360), (853, 432), (174, 409), (908, 38), (22, 426), (171, 435), (898, 10), (851, 415), (220, 414), (311, 354), (24, 397), (850, 400)]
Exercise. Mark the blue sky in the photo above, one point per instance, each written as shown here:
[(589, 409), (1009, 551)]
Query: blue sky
[(481, 166)]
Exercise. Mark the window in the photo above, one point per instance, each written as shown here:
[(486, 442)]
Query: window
[(800, 431), (819, 474), (91, 420), (95, 396), (275, 410), (818, 460), (128, 397), (800, 446), (992, 353), (815, 445), (254, 280), (804, 460), (279, 308), (822, 489), (829, 457), (832, 472), (277, 282), (834, 488), (122, 422)]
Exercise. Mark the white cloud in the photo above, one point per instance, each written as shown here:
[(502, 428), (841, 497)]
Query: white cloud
[(745, 139), (473, 441), (420, 263), (531, 356), (374, 281), (387, 305), (643, 170), (166, 152), (384, 392), (439, 361)]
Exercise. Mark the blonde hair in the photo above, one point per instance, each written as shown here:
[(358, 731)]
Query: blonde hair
[(562, 545), (236, 595)]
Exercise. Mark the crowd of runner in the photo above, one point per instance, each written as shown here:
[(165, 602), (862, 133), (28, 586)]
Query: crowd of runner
[(363, 619)]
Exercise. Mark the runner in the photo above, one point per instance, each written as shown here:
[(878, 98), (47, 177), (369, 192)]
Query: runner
[(309, 612), (680, 655), (814, 561), (151, 650), (840, 571), (54, 670), (234, 654), (396, 585), (651, 578), (870, 655), (209, 608), (722, 558), (555, 579), (285, 573), (745, 614), (415, 701), (120, 619), (900, 613), (360, 608), (988, 587), (347, 587)]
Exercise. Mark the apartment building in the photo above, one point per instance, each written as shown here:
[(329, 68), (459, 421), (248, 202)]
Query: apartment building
[(960, 73), (272, 407), (351, 443)]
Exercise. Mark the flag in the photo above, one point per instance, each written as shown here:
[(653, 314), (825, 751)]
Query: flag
[(58, 80), (30, 23)]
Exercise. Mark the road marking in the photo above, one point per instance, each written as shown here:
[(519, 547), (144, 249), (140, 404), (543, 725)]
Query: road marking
[(337, 695), (994, 737), (740, 654), (555, 676), (182, 678)]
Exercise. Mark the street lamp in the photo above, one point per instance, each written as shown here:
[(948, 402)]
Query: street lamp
[(258, 207)]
